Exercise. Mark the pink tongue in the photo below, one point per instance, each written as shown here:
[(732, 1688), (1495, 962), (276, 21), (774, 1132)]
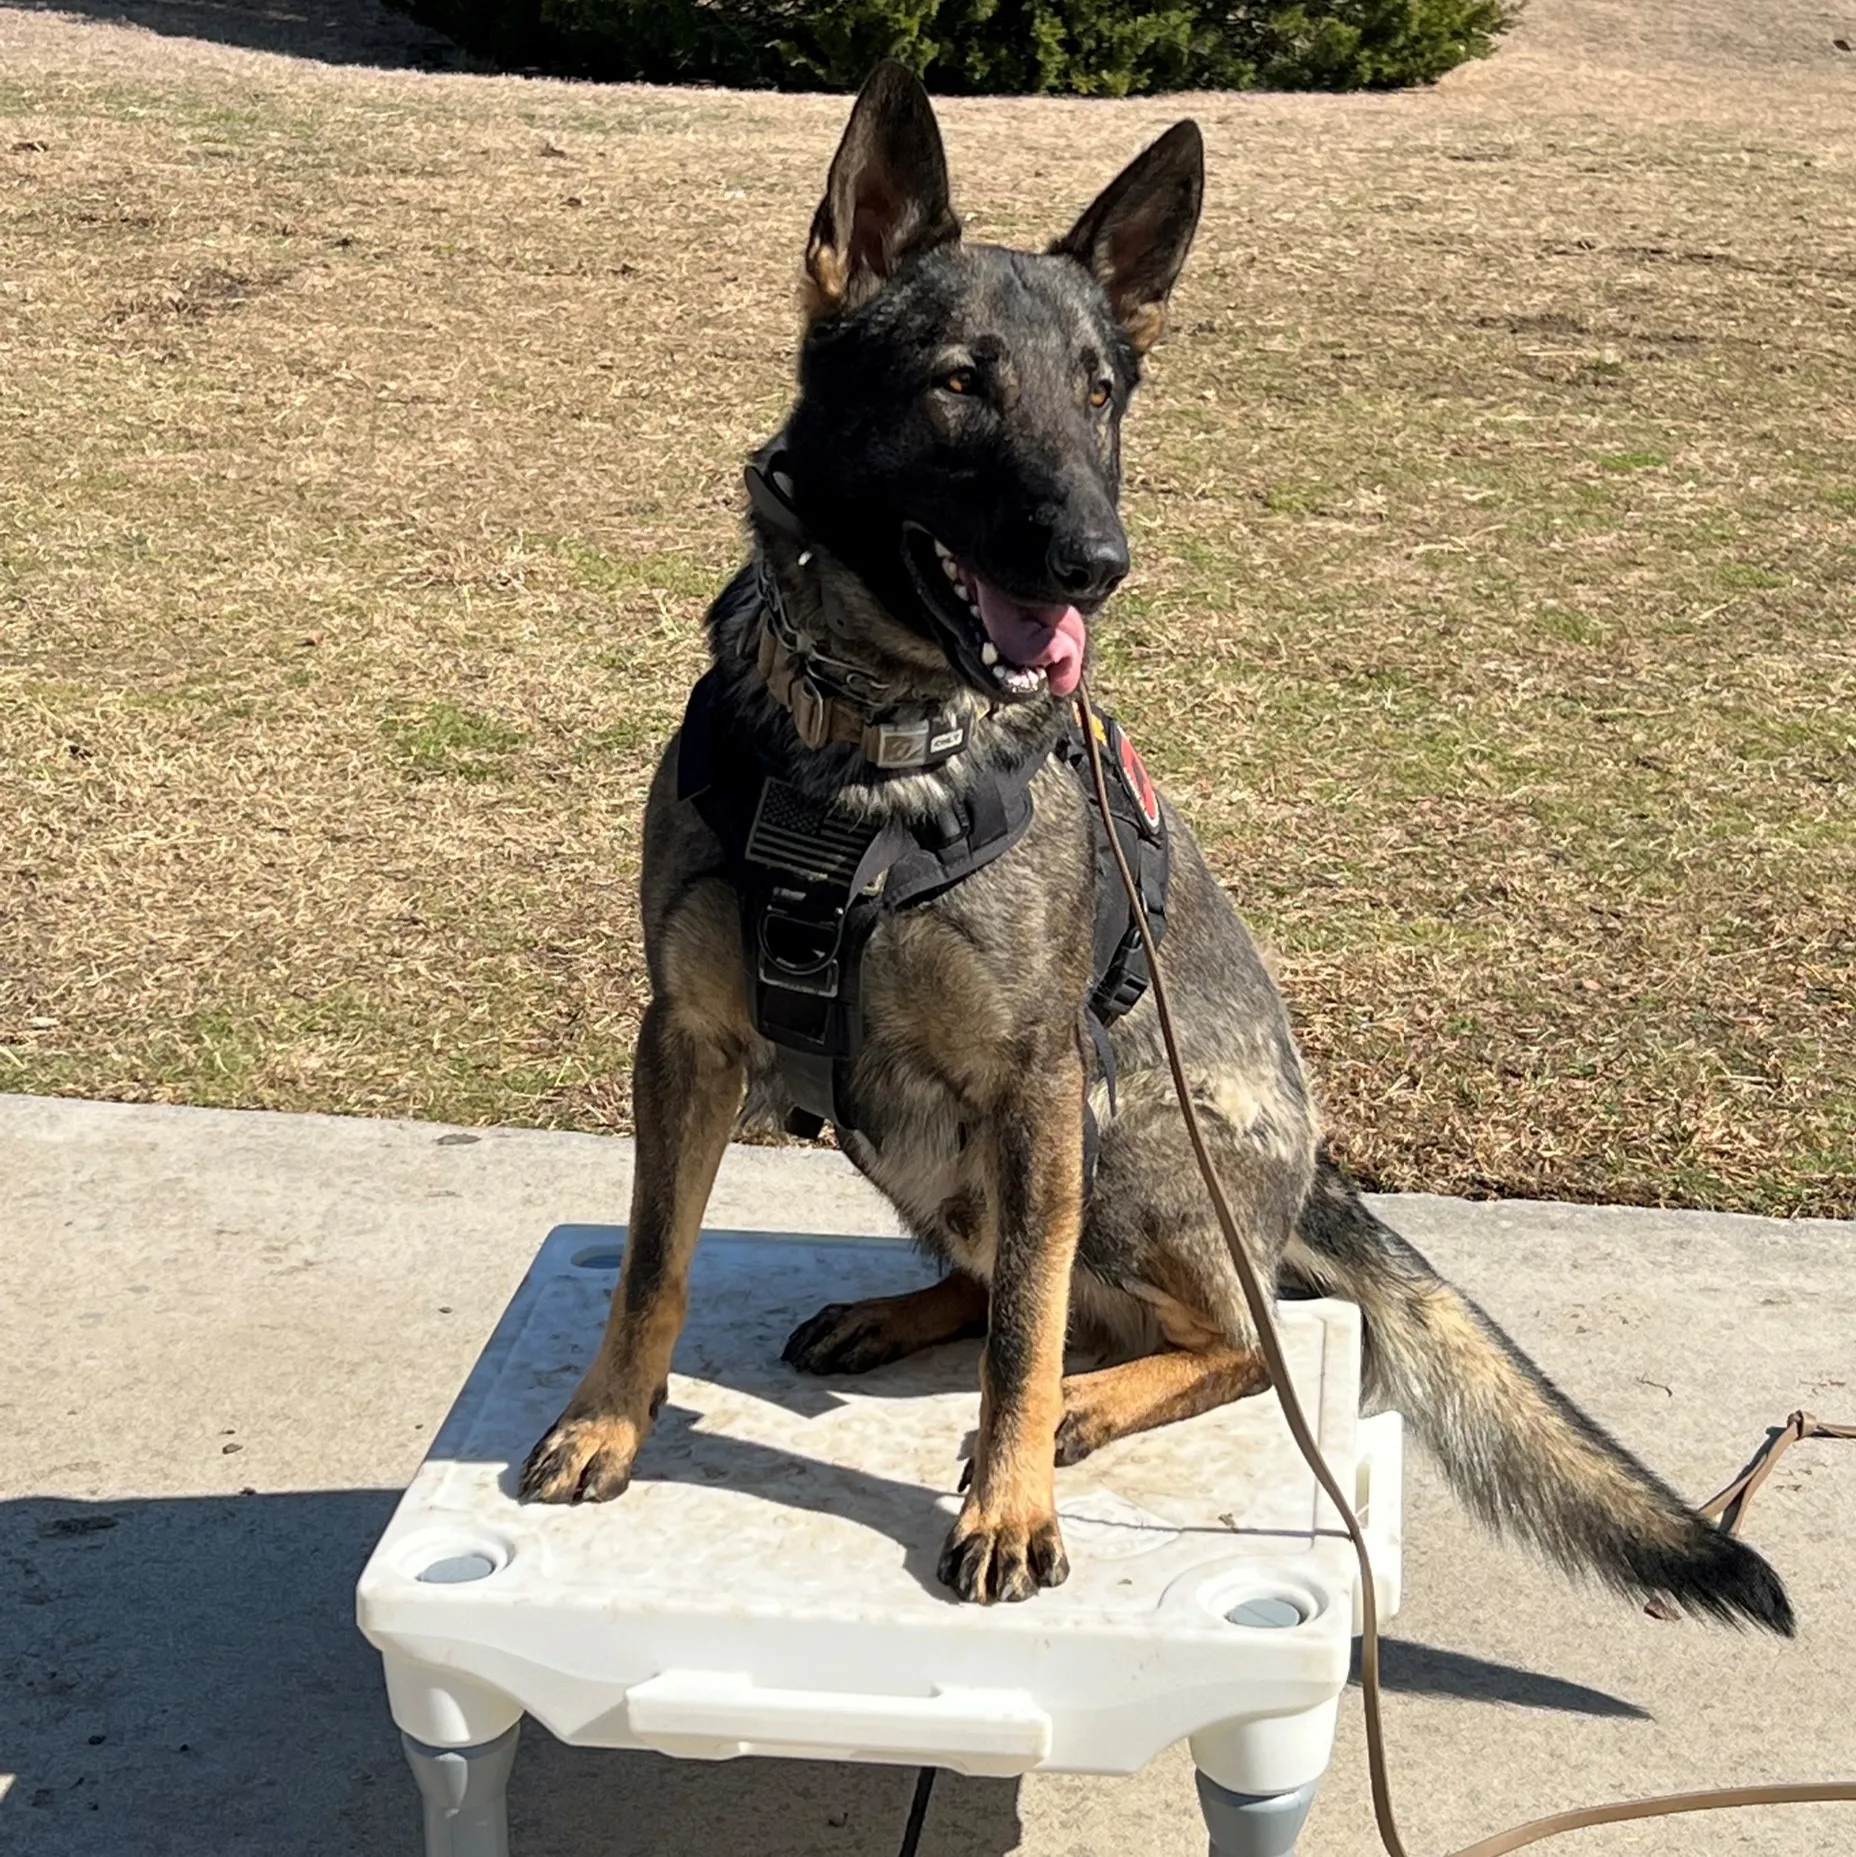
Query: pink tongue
[(1047, 638)]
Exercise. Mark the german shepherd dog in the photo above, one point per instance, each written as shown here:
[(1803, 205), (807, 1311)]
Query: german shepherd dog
[(954, 451)]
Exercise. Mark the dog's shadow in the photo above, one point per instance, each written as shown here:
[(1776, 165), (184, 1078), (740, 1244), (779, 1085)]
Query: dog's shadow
[(915, 1514)]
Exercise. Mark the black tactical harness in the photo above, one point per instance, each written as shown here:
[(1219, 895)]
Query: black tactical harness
[(813, 883)]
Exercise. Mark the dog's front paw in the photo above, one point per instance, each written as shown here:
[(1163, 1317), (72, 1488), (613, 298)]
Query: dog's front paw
[(989, 1560), (584, 1459)]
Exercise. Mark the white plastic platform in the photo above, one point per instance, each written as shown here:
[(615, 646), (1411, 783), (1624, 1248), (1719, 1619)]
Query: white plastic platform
[(766, 1585)]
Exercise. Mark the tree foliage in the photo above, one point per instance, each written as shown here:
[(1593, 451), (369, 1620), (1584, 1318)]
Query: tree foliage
[(1099, 48)]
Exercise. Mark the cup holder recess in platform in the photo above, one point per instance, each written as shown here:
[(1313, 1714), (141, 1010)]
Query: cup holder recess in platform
[(1268, 1612), (1269, 1603), (452, 1557)]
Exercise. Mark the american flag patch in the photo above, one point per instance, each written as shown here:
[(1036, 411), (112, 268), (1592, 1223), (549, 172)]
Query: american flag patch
[(793, 833)]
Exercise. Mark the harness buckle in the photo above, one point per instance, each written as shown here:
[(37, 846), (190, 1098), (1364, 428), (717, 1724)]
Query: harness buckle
[(895, 744), (926, 743), (1129, 974)]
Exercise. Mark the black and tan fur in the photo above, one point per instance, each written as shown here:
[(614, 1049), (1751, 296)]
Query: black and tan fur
[(954, 386)]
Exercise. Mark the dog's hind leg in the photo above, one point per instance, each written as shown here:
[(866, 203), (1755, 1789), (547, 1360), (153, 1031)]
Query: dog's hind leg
[(1152, 1242), (1138, 1395), (853, 1337), (1155, 1273)]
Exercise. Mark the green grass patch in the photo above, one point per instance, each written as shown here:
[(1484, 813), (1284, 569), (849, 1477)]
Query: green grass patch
[(1744, 576), (447, 741)]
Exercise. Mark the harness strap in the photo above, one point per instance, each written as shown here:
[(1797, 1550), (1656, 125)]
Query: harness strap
[(812, 884), (1120, 956)]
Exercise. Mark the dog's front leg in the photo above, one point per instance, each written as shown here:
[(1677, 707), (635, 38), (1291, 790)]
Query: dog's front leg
[(1006, 1542), (686, 1092)]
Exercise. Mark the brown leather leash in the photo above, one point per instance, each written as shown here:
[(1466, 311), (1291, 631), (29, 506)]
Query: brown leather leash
[(1729, 1506), (1734, 1497)]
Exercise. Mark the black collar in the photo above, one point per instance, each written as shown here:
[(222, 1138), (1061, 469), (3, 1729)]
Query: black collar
[(828, 698)]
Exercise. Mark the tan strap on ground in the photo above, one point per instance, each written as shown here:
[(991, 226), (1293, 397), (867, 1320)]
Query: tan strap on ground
[(1269, 1345)]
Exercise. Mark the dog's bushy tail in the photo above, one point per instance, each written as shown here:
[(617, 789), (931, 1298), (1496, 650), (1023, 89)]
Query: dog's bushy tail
[(1518, 1452)]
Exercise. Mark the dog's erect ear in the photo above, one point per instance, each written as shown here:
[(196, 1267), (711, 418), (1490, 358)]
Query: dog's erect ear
[(1135, 237), (886, 197)]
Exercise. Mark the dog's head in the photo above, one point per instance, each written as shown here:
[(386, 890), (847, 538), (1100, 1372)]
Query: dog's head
[(956, 441)]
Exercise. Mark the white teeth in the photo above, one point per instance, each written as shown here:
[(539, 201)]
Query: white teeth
[(950, 567), (1020, 679), (989, 653), (941, 549)]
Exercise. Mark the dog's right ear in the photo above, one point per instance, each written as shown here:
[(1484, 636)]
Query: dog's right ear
[(886, 198)]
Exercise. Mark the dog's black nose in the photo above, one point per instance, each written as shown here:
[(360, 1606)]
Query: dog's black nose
[(1088, 567)]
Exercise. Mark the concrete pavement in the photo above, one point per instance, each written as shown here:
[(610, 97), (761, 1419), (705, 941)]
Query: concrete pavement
[(225, 1338)]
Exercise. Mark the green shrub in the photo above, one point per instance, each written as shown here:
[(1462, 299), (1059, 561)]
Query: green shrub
[(1080, 47)]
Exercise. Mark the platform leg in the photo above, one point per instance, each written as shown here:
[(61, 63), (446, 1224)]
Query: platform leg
[(466, 1792), (1253, 1824)]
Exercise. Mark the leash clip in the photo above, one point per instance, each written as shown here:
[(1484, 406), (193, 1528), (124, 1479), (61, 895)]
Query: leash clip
[(799, 951)]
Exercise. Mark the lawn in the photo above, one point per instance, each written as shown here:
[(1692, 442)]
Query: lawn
[(369, 447)]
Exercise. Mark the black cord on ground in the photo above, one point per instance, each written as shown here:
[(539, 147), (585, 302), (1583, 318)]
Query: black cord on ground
[(918, 1813)]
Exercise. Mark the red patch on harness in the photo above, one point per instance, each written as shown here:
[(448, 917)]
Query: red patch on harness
[(1131, 771), (1134, 778)]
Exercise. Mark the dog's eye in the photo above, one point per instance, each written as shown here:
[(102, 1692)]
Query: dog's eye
[(961, 380), (1099, 395)]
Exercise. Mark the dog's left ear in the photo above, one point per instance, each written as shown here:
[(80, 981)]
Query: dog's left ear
[(1135, 237), (886, 197)]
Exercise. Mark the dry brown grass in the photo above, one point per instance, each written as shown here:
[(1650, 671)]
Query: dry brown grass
[(370, 443)]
